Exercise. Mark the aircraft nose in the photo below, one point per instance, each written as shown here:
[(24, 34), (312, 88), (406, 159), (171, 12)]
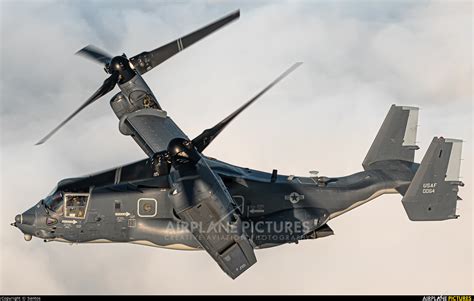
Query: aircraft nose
[(25, 222), (25, 219)]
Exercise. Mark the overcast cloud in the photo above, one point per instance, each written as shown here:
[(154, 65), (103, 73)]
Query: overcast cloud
[(359, 58)]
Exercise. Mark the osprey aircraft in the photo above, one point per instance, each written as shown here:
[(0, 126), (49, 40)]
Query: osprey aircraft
[(179, 198)]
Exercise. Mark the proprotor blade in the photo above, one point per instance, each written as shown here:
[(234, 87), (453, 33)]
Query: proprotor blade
[(106, 87), (146, 61), (206, 137), (94, 53)]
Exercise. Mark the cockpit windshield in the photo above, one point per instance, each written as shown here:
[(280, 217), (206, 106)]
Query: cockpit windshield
[(54, 202)]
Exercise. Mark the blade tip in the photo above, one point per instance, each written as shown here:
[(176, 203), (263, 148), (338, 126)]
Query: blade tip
[(43, 140), (235, 14), (82, 49), (295, 66)]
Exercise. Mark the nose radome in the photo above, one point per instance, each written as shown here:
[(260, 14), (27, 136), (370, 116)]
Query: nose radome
[(25, 218)]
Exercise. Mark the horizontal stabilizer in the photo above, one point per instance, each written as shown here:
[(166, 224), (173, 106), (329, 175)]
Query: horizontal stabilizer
[(432, 194), (321, 232)]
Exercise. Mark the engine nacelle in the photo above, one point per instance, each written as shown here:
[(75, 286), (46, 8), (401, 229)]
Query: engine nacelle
[(149, 126)]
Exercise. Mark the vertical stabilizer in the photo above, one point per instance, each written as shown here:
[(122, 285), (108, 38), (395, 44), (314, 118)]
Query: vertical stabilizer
[(396, 139), (433, 192)]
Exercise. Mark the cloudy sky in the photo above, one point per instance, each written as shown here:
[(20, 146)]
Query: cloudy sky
[(359, 58)]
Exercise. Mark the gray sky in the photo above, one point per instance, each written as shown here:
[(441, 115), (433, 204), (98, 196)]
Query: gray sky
[(359, 58)]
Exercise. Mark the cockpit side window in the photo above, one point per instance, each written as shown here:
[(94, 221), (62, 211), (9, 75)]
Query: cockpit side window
[(54, 202), (75, 204)]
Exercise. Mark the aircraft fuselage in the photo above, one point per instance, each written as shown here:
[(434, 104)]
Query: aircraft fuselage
[(275, 209)]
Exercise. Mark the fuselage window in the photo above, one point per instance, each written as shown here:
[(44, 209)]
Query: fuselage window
[(118, 206), (75, 204)]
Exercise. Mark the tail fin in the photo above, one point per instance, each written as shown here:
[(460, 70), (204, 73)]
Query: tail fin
[(432, 194), (396, 138)]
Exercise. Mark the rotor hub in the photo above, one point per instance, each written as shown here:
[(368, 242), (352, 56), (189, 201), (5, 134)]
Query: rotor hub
[(182, 151), (119, 63)]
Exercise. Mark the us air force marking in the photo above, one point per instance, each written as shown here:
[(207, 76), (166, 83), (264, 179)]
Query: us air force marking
[(294, 197)]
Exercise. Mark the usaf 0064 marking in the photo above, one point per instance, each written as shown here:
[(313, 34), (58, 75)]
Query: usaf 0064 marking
[(179, 198)]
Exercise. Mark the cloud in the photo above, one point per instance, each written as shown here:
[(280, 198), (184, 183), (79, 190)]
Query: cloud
[(358, 59)]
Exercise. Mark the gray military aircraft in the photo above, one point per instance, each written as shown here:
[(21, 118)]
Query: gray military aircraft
[(178, 198)]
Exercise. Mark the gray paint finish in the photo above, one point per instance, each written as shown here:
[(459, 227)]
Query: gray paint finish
[(158, 201), (260, 201)]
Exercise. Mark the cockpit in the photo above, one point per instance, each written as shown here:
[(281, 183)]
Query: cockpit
[(54, 202), (73, 205)]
